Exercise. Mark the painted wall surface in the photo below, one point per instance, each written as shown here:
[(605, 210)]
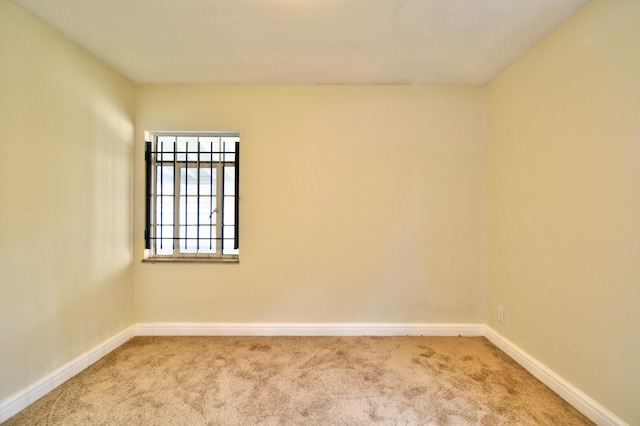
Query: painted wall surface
[(564, 203), (66, 146), (358, 204)]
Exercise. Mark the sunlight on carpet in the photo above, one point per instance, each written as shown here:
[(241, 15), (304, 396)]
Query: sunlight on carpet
[(303, 381)]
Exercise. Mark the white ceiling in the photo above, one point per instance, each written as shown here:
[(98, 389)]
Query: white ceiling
[(306, 41)]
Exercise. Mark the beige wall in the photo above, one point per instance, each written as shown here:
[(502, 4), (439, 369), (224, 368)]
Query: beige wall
[(564, 203), (358, 204), (66, 143)]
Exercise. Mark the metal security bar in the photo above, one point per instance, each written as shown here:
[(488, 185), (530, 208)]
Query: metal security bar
[(192, 195)]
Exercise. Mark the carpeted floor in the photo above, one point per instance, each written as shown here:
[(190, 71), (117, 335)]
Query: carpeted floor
[(303, 381)]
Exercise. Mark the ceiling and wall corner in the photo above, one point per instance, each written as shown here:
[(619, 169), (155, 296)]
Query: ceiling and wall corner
[(563, 186), (416, 43), (310, 42)]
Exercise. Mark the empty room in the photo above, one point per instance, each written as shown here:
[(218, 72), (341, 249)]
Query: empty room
[(320, 212)]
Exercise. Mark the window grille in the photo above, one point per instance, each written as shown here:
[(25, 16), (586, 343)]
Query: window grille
[(192, 203)]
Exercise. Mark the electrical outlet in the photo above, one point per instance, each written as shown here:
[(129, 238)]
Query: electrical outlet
[(500, 314)]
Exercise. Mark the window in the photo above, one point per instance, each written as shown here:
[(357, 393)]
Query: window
[(192, 196)]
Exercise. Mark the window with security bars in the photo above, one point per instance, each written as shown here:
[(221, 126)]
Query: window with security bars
[(192, 195)]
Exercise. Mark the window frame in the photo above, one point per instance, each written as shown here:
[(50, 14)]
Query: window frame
[(220, 166)]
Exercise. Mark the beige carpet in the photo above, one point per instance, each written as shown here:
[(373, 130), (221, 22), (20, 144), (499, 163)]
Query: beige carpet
[(303, 381)]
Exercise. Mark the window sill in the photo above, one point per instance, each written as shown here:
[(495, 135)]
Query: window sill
[(190, 260)]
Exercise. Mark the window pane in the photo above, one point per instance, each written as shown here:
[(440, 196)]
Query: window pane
[(227, 242), (164, 239), (207, 214), (188, 196), (165, 232), (200, 239), (208, 147), (229, 147), (217, 147), (207, 248), (164, 210), (229, 211), (229, 143), (188, 242), (191, 141), (207, 239), (164, 247), (229, 180), (164, 180), (186, 193), (208, 179), (188, 176), (189, 210), (167, 142), (165, 147), (205, 232), (189, 145)]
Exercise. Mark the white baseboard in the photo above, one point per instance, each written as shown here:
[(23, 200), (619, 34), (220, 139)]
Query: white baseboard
[(22, 399), (574, 396), (582, 402), (308, 329)]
